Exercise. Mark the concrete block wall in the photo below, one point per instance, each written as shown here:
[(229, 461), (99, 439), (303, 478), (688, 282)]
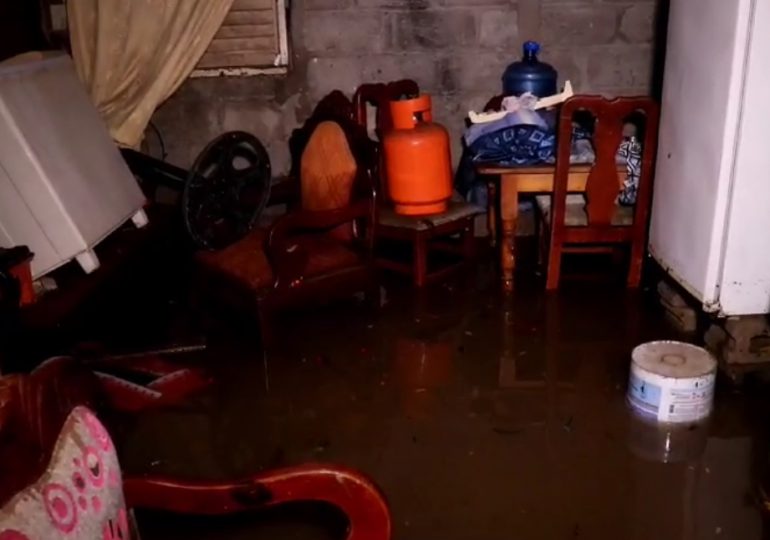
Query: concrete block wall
[(455, 49)]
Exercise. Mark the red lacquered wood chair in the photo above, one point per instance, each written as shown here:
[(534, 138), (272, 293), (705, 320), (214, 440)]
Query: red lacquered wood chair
[(61, 477), (428, 235), (321, 249), (594, 222)]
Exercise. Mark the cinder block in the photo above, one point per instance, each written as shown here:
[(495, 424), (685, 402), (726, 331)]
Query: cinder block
[(233, 88), (529, 15), (316, 5), (327, 74), (574, 25), (434, 29), (256, 117), (448, 111), (391, 67), (498, 29), (272, 124), (678, 312), (399, 4), (740, 340), (475, 100), (570, 63), (330, 33), (475, 2), (482, 71), (638, 23), (187, 124), (620, 66), (623, 91)]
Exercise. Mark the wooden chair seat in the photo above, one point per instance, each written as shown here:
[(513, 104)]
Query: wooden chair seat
[(246, 261), (576, 215), (457, 210)]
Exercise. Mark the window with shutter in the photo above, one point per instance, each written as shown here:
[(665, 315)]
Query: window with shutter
[(252, 40)]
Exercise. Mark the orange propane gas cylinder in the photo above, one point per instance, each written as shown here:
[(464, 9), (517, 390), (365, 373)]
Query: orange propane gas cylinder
[(417, 161)]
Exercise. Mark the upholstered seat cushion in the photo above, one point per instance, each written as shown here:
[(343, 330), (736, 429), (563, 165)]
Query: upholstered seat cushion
[(575, 214), (456, 210), (246, 260), (79, 496)]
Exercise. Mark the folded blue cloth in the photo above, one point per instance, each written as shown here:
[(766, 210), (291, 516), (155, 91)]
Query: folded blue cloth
[(525, 145), (523, 117)]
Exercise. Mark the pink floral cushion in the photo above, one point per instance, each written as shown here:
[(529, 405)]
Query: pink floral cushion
[(80, 495)]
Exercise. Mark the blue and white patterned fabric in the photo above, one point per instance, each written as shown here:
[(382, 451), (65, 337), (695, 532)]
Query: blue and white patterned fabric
[(522, 117), (531, 145), (630, 152), (525, 145)]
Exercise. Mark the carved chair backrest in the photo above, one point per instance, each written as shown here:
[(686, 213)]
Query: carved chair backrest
[(335, 108), (378, 95), (602, 186)]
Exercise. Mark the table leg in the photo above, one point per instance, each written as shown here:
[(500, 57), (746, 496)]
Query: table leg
[(492, 212), (509, 212), (420, 249)]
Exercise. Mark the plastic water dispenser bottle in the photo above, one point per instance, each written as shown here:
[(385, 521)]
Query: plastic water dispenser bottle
[(529, 74)]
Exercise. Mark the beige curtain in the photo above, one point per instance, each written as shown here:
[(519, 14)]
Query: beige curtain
[(133, 54)]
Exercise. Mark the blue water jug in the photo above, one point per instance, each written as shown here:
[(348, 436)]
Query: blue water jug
[(529, 74)]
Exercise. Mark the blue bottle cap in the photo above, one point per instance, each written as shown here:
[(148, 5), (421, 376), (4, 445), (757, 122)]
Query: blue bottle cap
[(531, 47)]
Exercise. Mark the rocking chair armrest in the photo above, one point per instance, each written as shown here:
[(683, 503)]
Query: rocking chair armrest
[(350, 491)]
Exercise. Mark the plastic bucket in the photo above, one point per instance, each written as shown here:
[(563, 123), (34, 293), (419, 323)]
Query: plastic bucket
[(671, 381)]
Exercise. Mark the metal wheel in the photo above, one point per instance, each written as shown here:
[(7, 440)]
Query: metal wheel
[(227, 190)]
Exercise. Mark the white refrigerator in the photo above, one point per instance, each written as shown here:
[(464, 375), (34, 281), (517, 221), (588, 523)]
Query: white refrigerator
[(710, 222)]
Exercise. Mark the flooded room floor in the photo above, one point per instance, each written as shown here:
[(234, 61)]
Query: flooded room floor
[(480, 417)]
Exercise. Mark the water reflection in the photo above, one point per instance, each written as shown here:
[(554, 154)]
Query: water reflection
[(666, 443), (420, 367)]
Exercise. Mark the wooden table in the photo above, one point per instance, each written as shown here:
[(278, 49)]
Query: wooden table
[(516, 180)]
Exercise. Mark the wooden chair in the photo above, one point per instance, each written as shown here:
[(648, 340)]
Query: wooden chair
[(429, 235), (321, 249), (61, 477), (595, 222)]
